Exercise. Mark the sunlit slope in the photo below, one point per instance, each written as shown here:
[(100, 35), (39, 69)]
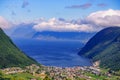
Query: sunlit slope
[(10, 55)]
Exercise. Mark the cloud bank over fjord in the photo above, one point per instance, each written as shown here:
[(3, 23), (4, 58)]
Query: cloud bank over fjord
[(62, 26), (105, 18), (92, 23)]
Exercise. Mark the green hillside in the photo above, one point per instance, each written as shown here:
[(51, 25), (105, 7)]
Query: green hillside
[(10, 55), (104, 46)]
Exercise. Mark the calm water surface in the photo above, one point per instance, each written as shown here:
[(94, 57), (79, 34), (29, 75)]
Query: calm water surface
[(53, 53)]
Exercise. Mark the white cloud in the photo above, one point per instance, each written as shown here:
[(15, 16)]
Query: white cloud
[(92, 23), (4, 24), (62, 26), (41, 37), (105, 18)]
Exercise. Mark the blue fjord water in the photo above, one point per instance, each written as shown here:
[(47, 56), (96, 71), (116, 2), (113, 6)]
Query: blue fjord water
[(53, 53)]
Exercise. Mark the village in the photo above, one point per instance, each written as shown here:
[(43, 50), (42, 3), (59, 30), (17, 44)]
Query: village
[(58, 73)]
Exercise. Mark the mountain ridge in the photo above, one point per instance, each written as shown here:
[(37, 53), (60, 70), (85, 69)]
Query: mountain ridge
[(10, 55), (104, 46)]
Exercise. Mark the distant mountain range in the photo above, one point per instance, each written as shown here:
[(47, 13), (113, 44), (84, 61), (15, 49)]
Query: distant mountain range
[(22, 31), (27, 31), (50, 35), (104, 47), (10, 55)]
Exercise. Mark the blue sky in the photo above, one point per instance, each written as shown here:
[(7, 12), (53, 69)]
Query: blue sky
[(60, 15), (23, 10)]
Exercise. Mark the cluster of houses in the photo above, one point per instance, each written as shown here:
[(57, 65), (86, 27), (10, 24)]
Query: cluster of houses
[(13, 70), (55, 72)]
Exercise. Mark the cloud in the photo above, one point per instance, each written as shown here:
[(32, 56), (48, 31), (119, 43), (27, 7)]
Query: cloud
[(105, 18), (92, 23), (83, 6), (4, 24), (101, 5), (49, 38), (62, 26), (52, 38), (25, 4)]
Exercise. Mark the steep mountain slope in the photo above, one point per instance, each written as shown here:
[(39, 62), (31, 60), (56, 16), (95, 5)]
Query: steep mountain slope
[(10, 55), (104, 46)]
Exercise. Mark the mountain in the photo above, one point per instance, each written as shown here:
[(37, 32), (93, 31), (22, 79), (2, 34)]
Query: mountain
[(27, 31), (10, 55), (22, 31), (63, 35), (104, 47)]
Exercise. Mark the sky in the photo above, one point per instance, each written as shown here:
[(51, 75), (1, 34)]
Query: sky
[(60, 15)]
